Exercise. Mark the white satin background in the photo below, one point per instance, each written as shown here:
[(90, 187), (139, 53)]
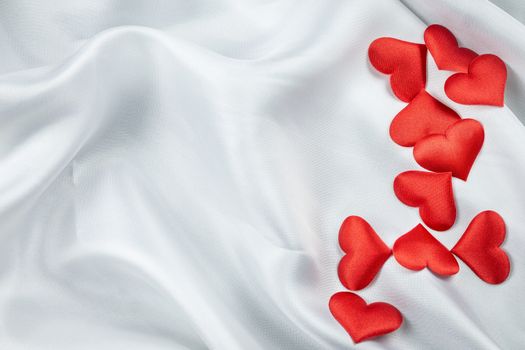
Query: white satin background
[(173, 174)]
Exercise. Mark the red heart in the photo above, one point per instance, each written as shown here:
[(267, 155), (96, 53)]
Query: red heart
[(432, 193), (365, 253), (418, 249), (364, 321), (479, 247), (443, 46), (484, 84), (424, 115), (453, 152), (405, 61)]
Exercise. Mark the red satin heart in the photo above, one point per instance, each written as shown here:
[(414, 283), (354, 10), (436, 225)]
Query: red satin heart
[(418, 249), (364, 321), (443, 46), (424, 115), (365, 253), (405, 61), (432, 193), (479, 247), (484, 84), (453, 152)]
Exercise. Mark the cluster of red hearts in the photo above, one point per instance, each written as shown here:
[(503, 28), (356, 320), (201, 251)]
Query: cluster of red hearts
[(447, 146)]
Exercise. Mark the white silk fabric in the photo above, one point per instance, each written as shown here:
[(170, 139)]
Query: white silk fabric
[(173, 174)]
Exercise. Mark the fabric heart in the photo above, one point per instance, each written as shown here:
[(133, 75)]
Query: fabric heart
[(432, 193), (418, 249), (424, 115), (405, 61), (479, 247), (365, 253), (453, 152), (364, 321), (484, 84), (443, 46)]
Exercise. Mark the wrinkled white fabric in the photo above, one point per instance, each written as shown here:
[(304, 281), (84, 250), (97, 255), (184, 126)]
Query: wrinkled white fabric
[(173, 174)]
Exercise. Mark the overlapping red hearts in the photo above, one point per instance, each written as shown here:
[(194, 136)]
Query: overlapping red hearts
[(447, 146)]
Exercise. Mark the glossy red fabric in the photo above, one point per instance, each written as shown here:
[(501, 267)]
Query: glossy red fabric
[(444, 47), (479, 247), (484, 84), (405, 61), (365, 253), (432, 193), (363, 321), (418, 249), (454, 152), (423, 116)]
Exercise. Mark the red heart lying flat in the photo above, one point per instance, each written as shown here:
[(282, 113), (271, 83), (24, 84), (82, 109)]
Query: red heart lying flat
[(405, 61), (453, 152), (363, 321), (365, 253), (443, 46), (484, 84), (432, 193), (479, 247), (423, 116), (418, 249)]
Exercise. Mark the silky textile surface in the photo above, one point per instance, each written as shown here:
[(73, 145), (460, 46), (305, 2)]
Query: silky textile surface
[(174, 174)]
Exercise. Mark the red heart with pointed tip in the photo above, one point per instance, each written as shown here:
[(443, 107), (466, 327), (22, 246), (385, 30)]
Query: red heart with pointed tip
[(363, 321), (453, 152), (432, 193), (479, 247), (365, 253), (418, 249), (444, 47), (405, 61), (484, 84), (423, 116)]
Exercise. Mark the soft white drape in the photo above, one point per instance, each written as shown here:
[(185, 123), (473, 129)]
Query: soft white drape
[(173, 174)]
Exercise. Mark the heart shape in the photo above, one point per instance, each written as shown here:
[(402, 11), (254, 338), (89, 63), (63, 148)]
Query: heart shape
[(365, 253), (423, 116), (479, 247), (418, 249), (484, 84), (405, 61), (443, 46), (453, 152), (432, 193), (364, 321)]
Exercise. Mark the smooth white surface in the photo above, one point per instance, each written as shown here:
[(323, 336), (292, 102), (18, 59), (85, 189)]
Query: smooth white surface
[(173, 174)]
